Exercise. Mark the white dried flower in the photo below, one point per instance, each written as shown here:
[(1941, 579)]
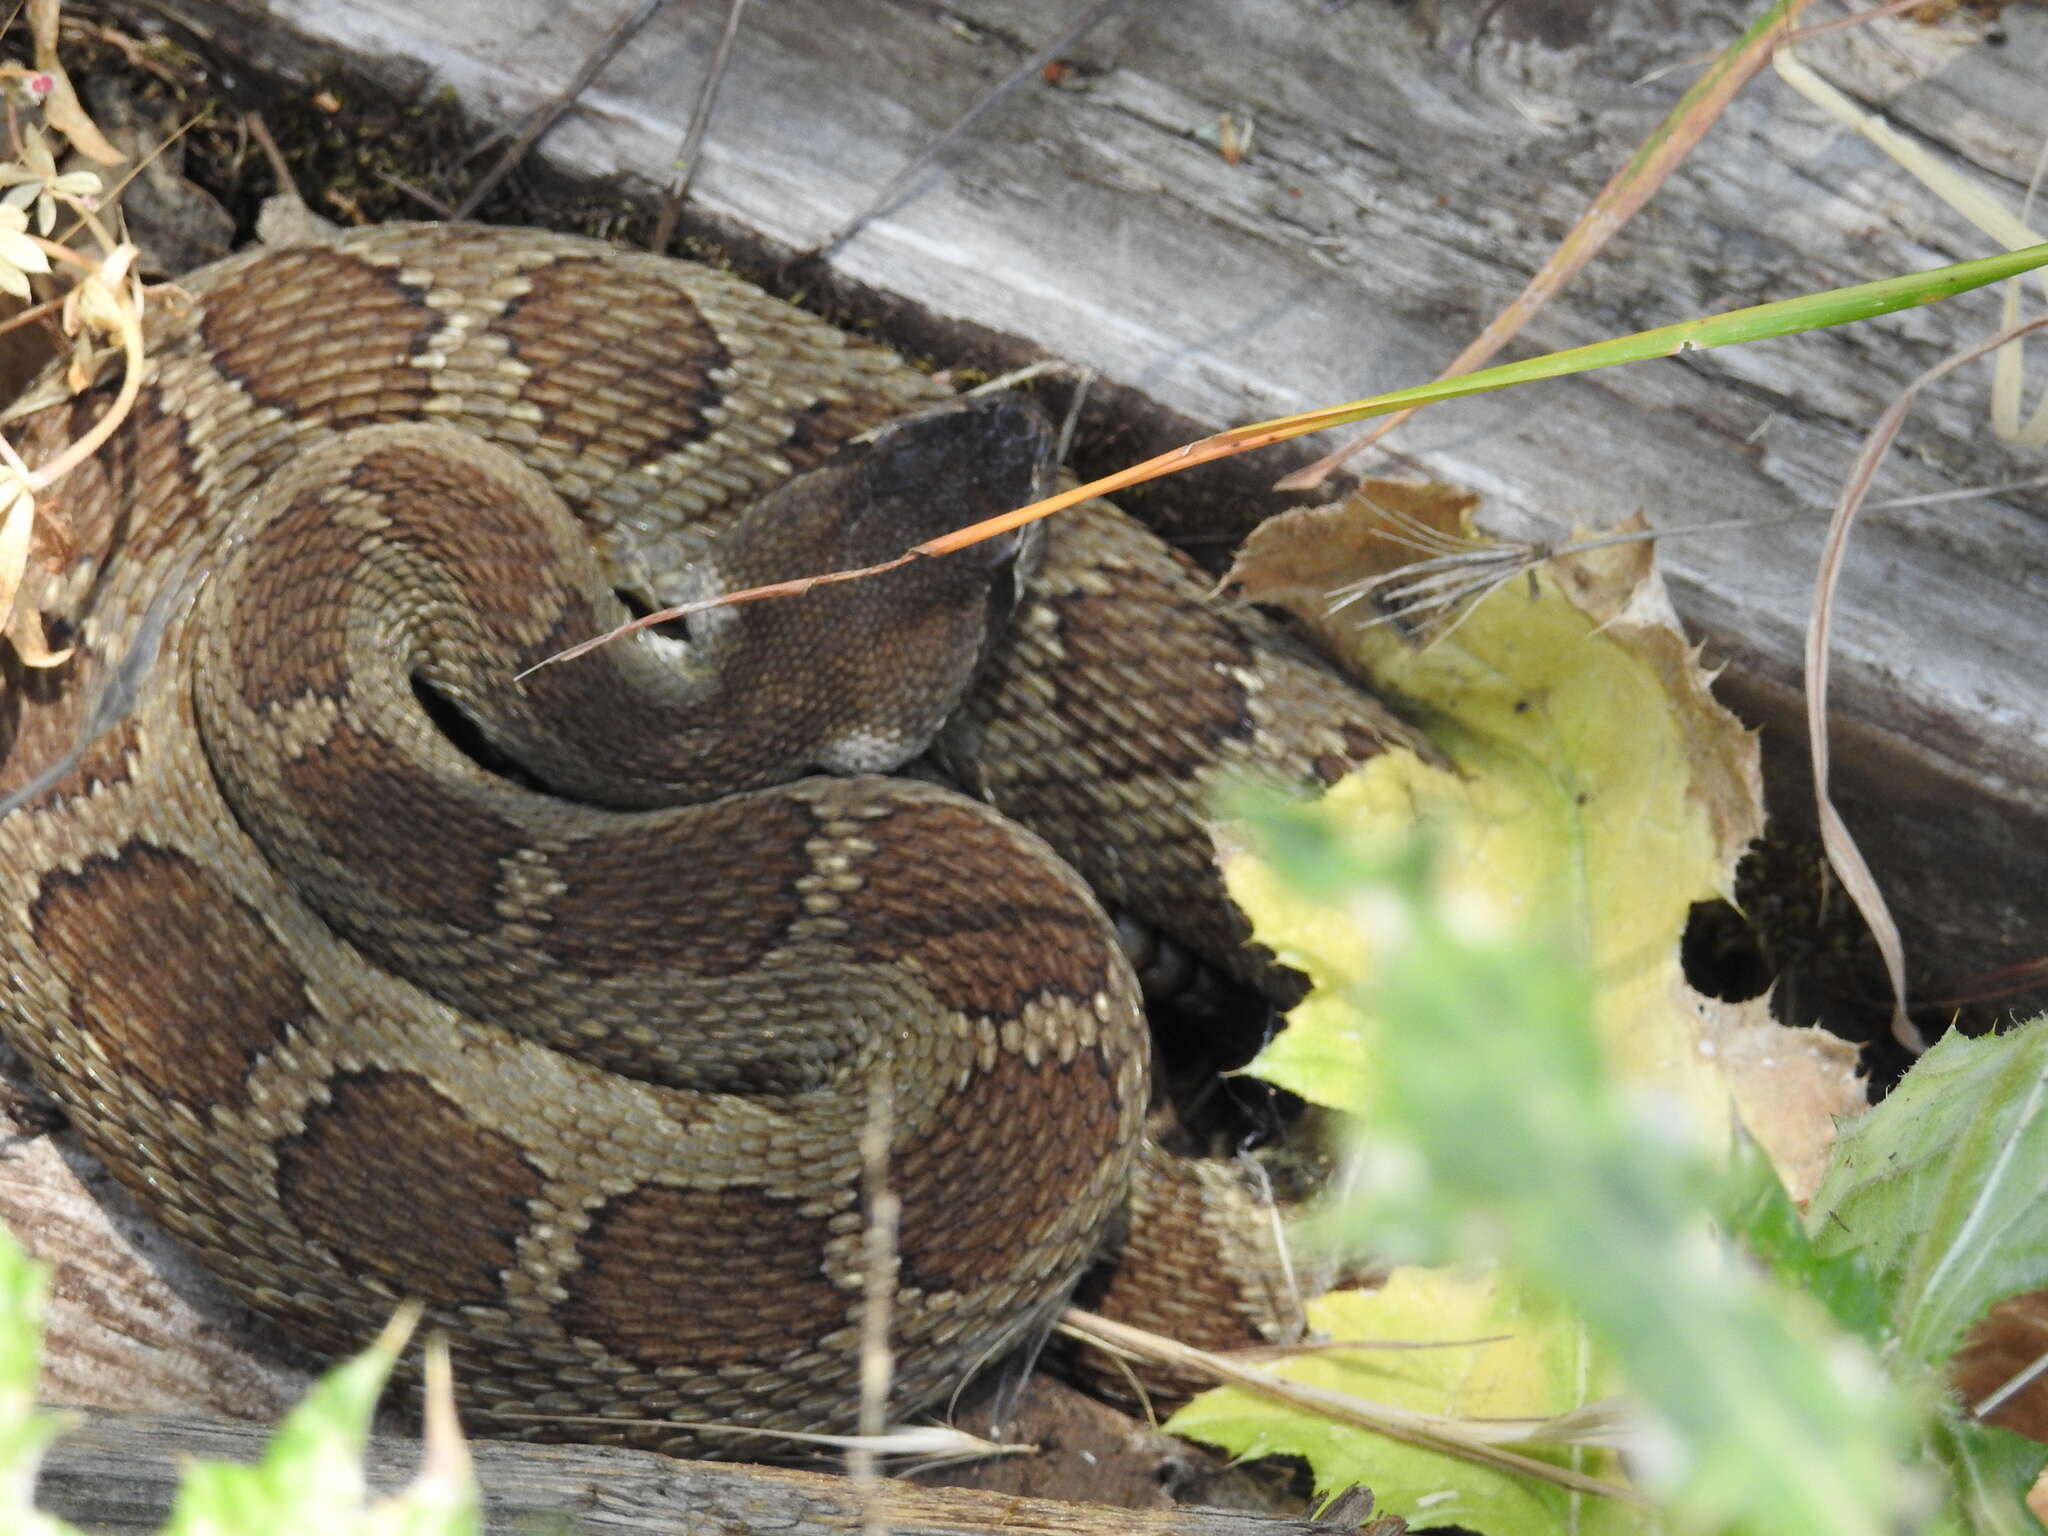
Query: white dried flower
[(34, 179), (19, 255)]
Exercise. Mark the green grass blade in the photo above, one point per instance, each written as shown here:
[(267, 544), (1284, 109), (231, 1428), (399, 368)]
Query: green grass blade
[(1761, 322)]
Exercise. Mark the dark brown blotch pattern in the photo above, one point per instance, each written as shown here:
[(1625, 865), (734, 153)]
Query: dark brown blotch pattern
[(939, 892), (987, 1186), (613, 360), (286, 635), (656, 1279), (640, 901), (309, 563), (141, 491), (703, 1278), (322, 335), (367, 805), (399, 1183), (179, 983)]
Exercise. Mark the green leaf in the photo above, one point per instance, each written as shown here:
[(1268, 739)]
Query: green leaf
[(1756, 1210), (1761, 322), (1938, 1191), (310, 1480), (1992, 1471), (1498, 1125), (1940, 1186), (24, 1433)]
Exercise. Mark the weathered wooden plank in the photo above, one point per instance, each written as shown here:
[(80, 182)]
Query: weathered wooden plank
[(113, 1475), (1400, 189)]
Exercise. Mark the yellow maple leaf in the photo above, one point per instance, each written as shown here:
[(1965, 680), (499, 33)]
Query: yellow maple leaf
[(1596, 793), (1599, 792), (1471, 1346)]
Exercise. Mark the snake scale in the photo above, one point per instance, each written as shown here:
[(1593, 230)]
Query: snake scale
[(560, 1005)]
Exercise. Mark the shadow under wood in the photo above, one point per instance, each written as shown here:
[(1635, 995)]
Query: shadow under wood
[(1956, 851)]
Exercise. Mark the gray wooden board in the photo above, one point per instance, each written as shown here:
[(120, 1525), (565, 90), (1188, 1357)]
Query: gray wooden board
[(115, 1474), (1401, 188)]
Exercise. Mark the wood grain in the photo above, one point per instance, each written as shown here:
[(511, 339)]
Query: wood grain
[(1401, 187), (113, 1475)]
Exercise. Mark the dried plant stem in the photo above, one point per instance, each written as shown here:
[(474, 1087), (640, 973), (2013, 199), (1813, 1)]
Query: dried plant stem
[(884, 200), (88, 443), (1615, 204), (551, 111), (2013, 1386), (1840, 845), (445, 1456), (1807, 34), (83, 217), (1783, 318), (879, 1267), (693, 137), (1429, 1431), (32, 314)]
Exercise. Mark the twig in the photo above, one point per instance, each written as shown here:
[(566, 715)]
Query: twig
[(884, 201), (1458, 573), (693, 137), (905, 1440), (1430, 1431), (1961, 493), (2014, 1385), (1352, 1347), (280, 169), (1807, 34), (1988, 986), (1804, 34), (420, 195), (549, 113), (878, 1264), (32, 314), (112, 195), (793, 588)]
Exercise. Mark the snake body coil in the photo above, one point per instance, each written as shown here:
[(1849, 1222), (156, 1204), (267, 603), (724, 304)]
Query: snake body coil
[(561, 1005)]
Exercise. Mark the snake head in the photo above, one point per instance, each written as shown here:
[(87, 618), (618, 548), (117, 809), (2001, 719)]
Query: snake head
[(946, 468), (884, 659)]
